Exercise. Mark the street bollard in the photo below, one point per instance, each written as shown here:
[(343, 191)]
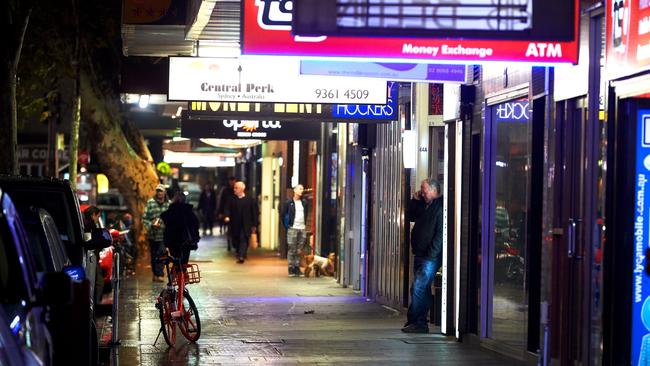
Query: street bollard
[(116, 299)]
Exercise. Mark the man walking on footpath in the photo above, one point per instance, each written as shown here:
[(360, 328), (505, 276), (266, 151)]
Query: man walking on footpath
[(294, 217), (226, 194), (242, 215), (208, 207), (156, 229), (425, 208)]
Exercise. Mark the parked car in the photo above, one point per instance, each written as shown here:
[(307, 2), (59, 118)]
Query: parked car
[(58, 199), (26, 298), (12, 350), (75, 318)]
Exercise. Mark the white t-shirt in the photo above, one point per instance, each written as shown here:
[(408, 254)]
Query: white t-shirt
[(299, 219)]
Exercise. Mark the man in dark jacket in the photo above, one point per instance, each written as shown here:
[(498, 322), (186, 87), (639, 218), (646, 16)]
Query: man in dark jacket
[(208, 208), (241, 213), (294, 217), (425, 208), (181, 227), (226, 193)]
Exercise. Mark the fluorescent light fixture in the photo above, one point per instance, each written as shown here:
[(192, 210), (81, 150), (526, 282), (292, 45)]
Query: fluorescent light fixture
[(296, 164), (410, 148), (231, 144), (178, 138), (219, 49), (501, 164), (144, 101), (178, 111), (195, 160)]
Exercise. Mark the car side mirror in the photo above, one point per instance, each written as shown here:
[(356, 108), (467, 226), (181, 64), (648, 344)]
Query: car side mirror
[(99, 239), (57, 289)]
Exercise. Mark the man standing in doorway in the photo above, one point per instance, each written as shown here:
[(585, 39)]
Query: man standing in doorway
[(242, 215), (425, 208), (294, 217), (156, 229)]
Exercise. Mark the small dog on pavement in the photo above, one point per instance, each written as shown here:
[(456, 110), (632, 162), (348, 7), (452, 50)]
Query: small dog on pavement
[(320, 265)]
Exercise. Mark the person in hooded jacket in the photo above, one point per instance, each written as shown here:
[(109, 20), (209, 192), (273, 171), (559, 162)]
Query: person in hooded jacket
[(181, 228)]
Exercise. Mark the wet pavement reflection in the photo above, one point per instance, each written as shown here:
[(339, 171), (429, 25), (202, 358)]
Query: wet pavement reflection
[(253, 313)]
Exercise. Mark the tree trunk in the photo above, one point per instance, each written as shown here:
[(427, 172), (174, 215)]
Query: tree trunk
[(133, 176), (74, 135), (8, 119), (10, 57), (135, 138)]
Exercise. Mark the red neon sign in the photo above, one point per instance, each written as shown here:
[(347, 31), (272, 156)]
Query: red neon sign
[(264, 32)]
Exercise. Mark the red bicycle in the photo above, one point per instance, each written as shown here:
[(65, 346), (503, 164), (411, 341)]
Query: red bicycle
[(175, 305)]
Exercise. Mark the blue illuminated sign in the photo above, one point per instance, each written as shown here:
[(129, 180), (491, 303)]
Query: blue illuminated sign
[(640, 279), (386, 111), (515, 111)]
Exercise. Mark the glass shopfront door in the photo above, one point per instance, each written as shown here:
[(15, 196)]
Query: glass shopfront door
[(506, 197)]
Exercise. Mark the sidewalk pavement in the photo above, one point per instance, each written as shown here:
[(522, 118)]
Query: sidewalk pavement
[(253, 313)]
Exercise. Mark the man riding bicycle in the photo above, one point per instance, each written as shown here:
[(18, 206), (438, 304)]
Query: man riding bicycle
[(181, 228)]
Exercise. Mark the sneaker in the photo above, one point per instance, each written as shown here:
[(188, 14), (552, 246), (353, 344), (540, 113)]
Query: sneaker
[(414, 328), (240, 261)]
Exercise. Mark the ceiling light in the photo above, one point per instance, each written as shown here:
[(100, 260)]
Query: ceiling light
[(144, 101)]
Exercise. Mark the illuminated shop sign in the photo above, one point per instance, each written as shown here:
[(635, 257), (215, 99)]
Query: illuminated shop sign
[(266, 30), (386, 111), (628, 36), (268, 80), (515, 111), (248, 129), (300, 112), (433, 73), (640, 278)]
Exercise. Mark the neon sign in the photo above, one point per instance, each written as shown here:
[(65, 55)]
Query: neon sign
[(517, 111)]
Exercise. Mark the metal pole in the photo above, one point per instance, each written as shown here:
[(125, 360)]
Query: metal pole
[(116, 299)]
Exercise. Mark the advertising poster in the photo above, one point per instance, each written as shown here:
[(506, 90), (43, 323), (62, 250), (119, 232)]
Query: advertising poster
[(628, 37), (640, 278)]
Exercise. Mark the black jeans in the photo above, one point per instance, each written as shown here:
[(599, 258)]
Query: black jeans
[(208, 221), (240, 242), (156, 249)]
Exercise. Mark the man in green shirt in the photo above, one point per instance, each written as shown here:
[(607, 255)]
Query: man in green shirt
[(156, 229)]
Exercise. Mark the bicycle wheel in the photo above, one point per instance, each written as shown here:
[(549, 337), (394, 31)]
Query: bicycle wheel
[(166, 320), (190, 323)]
